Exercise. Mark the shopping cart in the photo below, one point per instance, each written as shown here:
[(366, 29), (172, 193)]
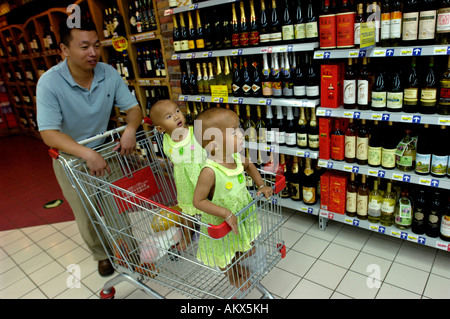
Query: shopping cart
[(144, 232)]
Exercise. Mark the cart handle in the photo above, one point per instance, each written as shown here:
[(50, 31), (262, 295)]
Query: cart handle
[(54, 153), (221, 230)]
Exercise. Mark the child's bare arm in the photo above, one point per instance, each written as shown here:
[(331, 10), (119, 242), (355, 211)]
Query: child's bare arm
[(205, 183), (253, 172)]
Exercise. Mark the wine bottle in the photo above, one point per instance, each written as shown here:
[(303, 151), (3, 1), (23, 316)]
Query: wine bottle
[(375, 142), (260, 126), (264, 35), (388, 206), (192, 34), (403, 213), (282, 169), (428, 92), (411, 91), (249, 126), (420, 217), (374, 207), (266, 83), (350, 142), (388, 147), (176, 35), (313, 133), (277, 89), (299, 25), (244, 35), (337, 142), (378, 101), (302, 131), (295, 187), (226, 31), (327, 31), (287, 27), (363, 87), (200, 40), (396, 22), (275, 25), (254, 27), (350, 86), (228, 77), (218, 32), (312, 29), (211, 77), (200, 83), (350, 197), (427, 22), (406, 153), (287, 83), (256, 77), (184, 83), (270, 125), (280, 136), (444, 93), (443, 23), (291, 132), (395, 93), (238, 80), (345, 25), (362, 199), (362, 143), (299, 79), (247, 79), (206, 88), (439, 159), (313, 81), (444, 231), (209, 43), (193, 84), (385, 31), (410, 22), (359, 19), (424, 151), (309, 184), (373, 10), (235, 35), (434, 216), (184, 42)]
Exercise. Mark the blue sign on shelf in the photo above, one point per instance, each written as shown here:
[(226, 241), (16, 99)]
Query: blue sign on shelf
[(403, 235), (328, 112), (362, 53), (417, 51), (355, 169), (356, 222), (422, 240), (381, 229), (385, 117), (356, 115), (381, 173), (326, 55), (434, 183), (390, 52), (416, 119), (406, 178), (329, 165)]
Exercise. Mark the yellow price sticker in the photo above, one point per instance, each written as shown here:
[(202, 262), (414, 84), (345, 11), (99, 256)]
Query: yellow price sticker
[(120, 43), (219, 92), (367, 34)]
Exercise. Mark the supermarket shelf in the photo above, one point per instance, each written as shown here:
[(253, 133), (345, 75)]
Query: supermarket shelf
[(395, 174), (390, 231), (250, 100), (379, 52), (247, 51), (195, 6), (435, 119), (293, 151)]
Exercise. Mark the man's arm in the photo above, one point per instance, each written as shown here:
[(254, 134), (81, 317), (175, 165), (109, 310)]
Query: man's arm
[(63, 142), (128, 140)]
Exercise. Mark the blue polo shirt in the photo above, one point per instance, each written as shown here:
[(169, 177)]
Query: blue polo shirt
[(65, 106)]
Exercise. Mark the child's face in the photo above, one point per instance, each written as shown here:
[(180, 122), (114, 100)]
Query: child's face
[(234, 139), (170, 119)]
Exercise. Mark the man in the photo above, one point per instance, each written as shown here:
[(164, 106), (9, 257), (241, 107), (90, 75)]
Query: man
[(74, 102)]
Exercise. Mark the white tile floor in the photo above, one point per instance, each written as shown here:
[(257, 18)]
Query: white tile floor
[(340, 262)]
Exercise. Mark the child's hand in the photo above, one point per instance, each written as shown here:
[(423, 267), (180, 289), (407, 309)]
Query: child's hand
[(266, 190), (232, 222)]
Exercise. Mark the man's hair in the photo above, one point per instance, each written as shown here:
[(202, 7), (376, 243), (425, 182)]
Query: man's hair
[(65, 37)]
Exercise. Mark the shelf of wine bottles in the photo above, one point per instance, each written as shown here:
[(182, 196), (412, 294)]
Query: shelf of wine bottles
[(434, 119), (380, 52), (295, 205), (195, 6), (280, 149), (394, 174), (250, 100), (387, 230)]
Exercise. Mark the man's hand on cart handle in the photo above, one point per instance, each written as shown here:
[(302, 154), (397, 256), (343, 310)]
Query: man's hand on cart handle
[(127, 142), (96, 164)]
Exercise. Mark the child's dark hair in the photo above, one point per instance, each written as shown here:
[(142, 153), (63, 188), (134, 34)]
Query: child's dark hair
[(65, 37)]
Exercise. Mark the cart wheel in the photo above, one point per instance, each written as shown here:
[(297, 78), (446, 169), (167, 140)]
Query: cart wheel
[(282, 249), (108, 295)]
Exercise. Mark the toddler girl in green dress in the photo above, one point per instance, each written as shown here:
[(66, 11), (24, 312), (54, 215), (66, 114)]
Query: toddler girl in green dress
[(186, 154), (221, 192)]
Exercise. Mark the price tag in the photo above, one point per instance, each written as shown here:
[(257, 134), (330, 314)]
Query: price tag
[(406, 52), (444, 121), (318, 55), (323, 163), (379, 52), (348, 114), (440, 50), (406, 118), (168, 12), (324, 213), (353, 53), (413, 238), (320, 112), (373, 172), (219, 93), (442, 245), (397, 177), (181, 98), (376, 116), (425, 181), (120, 43)]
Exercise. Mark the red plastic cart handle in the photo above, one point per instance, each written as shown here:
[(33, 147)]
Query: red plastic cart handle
[(53, 153)]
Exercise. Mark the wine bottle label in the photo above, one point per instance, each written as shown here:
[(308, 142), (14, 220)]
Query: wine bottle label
[(362, 145), (388, 158), (177, 46), (288, 32), (387, 206), (385, 33), (139, 27), (280, 137), (288, 89), (244, 38), (443, 20), (291, 139), (445, 225), (184, 45), (357, 33), (394, 100), (374, 156), (309, 195), (300, 90), (263, 38), (327, 31), (362, 204), (337, 147), (255, 88), (267, 88), (396, 25), (254, 38), (375, 206), (427, 24), (276, 88), (350, 146), (312, 90), (404, 216), (410, 96), (313, 141), (270, 136), (300, 31), (345, 34), (275, 36), (444, 94), (200, 43), (246, 88), (439, 165), (302, 139), (423, 163), (235, 39), (410, 26), (236, 88), (405, 161), (312, 30), (350, 203), (428, 95), (349, 91), (363, 92), (378, 99), (295, 190)]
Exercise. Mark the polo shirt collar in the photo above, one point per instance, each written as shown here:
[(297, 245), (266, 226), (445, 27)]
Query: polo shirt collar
[(99, 74)]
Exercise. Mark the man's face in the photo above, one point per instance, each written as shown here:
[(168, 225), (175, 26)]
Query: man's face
[(83, 50)]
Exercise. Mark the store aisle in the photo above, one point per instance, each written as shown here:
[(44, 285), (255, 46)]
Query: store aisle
[(339, 262)]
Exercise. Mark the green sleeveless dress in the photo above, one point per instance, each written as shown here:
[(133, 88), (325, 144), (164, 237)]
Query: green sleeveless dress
[(188, 158), (230, 192)]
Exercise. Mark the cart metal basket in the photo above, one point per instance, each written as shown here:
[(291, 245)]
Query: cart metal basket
[(150, 241)]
